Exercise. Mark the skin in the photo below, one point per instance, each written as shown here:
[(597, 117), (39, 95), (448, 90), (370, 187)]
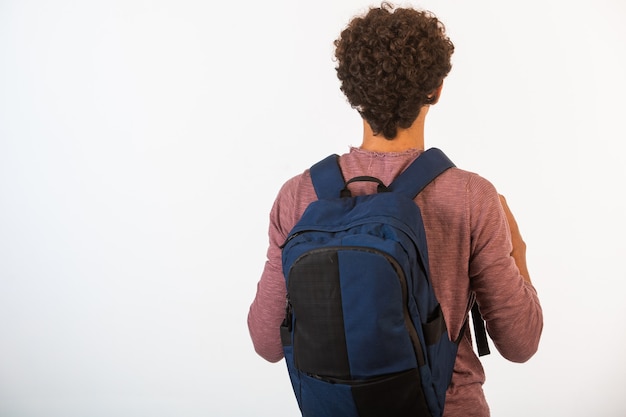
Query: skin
[(413, 138)]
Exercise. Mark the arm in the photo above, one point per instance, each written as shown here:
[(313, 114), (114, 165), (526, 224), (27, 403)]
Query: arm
[(507, 299), (267, 310), (519, 246)]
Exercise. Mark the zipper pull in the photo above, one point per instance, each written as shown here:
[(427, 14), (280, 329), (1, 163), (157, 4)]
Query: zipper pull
[(291, 236)]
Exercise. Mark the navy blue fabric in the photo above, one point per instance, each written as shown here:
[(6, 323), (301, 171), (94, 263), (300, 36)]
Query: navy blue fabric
[(375, 245), (418, 175), (373, 318), (329, 180)]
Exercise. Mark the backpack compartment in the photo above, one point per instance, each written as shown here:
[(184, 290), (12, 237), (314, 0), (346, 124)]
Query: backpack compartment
[(348, 308), (354, 327)]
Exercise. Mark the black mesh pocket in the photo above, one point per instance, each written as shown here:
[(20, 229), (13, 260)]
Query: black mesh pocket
[(319, 337)]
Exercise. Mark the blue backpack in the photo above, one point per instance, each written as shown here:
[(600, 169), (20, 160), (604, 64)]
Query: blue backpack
[(364, 335)]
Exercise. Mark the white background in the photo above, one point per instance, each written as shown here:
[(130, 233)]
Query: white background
[(141, 147)]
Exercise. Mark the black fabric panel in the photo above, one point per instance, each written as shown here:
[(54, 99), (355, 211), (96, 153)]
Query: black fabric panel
[(396, 396), (319, 337), (286, 327), (435, 327)]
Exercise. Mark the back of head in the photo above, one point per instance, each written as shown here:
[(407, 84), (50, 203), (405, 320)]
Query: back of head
[(390, 62)]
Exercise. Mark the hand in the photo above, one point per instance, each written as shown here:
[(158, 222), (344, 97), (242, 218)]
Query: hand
[(519, 246)]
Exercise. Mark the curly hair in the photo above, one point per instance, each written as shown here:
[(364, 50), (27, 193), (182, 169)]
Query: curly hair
[(389, 63)]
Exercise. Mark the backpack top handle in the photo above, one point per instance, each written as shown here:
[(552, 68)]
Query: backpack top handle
[(328, 180)]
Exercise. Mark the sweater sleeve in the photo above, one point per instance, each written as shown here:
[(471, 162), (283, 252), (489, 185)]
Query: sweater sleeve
[(267, 310), (509, 304)]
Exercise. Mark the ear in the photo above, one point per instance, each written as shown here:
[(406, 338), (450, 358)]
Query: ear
[(434, 96)]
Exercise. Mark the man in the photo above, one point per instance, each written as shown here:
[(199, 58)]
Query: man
[(391, 63)]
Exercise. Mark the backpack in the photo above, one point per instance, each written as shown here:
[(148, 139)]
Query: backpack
[(363, 334)]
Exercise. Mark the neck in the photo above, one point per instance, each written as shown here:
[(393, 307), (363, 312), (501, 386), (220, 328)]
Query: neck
[(409, 138)]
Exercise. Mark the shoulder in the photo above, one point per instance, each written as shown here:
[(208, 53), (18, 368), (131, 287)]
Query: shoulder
[(468, 178), (293, 198), (295, 187), (457, 196), (456, 181)]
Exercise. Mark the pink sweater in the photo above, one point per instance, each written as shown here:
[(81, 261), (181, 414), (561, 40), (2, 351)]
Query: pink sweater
[(469, 248)]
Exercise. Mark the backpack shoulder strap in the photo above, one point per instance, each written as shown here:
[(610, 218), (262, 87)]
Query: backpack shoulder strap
[(328, 181), (426, 167), (327, 178), (480, 332)]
